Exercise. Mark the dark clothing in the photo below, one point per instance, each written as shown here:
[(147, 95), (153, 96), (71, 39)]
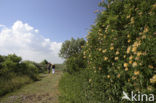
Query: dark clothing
[(49, 66), (53, 66)]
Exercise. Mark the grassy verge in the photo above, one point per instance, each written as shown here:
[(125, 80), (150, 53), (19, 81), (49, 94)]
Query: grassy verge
[(43, 91)]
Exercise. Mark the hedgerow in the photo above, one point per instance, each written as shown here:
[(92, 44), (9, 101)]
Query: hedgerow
[(120, 52)]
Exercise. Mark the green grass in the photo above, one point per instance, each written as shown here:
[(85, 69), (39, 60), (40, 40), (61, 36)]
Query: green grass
[(43, 91)]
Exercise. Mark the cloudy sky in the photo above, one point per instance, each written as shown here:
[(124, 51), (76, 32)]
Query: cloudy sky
[(36, 29)]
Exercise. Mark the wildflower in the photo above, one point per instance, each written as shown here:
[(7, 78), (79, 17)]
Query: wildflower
[(104, 36), (136, 72), (130, 62), (126, 69), (117, 53), (149, 88), (118, 75), (129, 41), (153, 79), (150, 66), (100, 68), (133, 77), (116, 58), (128, 36), (139, 53), (131, 57), (124, 56), (145, 29), (111, 48), (128, 16), (128, 50), (104, 51), (134, 49), (90, 80), (137, 58), (100, 49), (108, 76), (132, 20), (105, 58), (134, 64), (125, 64), (143, 37)]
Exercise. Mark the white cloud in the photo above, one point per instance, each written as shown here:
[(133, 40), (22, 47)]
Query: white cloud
[(25, 41)]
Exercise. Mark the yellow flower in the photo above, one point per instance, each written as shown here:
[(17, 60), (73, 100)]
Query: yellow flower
[(118, 75), (124, 56), (105, 58), (145, 29), (128, 80), (136, 72), (134, 64), (108, 76), (149, 88), (100, 68), (132, 20), (154, 6), (117, 53), (143, 37), (139, 54), (125, 64), (137, 58), (150, 66), (128, 16), (133, 77), (131, 57), (129, 41), (126, 69), (153, 79), (104, 51), (100, 49), (134, 49), (128, 50), (84, 56), (130, 62), (128, 36), (111, 48), (90, 80), (140, 13), (104, 36), (116, 58)]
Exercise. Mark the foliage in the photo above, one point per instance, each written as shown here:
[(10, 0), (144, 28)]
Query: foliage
[(71, 47), (120, 53), (14, 72)]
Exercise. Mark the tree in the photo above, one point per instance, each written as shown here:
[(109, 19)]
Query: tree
[(71, 47)]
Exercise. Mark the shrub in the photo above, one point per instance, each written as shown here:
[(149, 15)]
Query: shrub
[(120, 54)]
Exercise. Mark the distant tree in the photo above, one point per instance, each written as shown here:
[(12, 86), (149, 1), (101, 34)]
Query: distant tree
[(71, 47)]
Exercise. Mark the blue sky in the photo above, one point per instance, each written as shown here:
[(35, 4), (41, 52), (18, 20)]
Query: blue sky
[(36, 29), (58, 20)]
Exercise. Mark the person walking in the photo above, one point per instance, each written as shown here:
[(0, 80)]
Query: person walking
[(48, 67), (53, 68)]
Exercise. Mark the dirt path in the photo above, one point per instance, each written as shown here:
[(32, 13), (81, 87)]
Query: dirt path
[(43, 91)]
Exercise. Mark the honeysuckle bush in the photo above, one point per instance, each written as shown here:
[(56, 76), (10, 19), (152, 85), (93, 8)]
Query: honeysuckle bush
[(120, 54), (120, 49)]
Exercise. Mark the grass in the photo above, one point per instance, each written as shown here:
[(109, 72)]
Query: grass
[(43, 91)]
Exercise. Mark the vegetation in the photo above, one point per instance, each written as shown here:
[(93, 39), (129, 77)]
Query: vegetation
[(14, 72), (119, 55)]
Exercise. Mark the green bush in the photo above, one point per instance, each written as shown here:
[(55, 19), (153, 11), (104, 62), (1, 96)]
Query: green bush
[(120, 54), (75, 63), (14, 72)]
